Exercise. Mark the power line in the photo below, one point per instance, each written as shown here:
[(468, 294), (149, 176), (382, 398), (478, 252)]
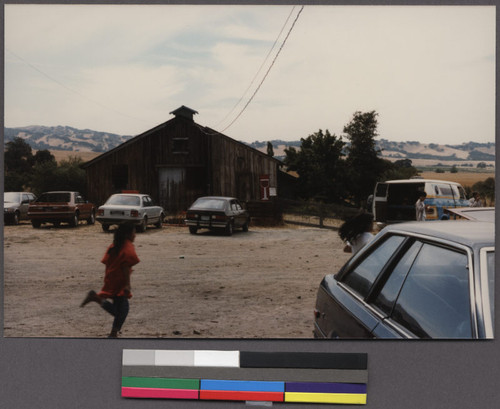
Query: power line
[(268, 70), (70, 89), (259, 70)]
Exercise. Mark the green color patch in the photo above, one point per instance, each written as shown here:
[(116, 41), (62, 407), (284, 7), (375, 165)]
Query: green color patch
[(165, 383)]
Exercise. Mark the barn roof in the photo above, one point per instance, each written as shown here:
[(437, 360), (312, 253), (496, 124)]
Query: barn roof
[(183, 112)]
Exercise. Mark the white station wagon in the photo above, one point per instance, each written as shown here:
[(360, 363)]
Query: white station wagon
[(130, 207)]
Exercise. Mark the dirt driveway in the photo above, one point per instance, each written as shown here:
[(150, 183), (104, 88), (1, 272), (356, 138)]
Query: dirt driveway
[(260, 284)]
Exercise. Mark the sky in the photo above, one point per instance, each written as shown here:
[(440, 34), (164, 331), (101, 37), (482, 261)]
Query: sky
[(254, 73)]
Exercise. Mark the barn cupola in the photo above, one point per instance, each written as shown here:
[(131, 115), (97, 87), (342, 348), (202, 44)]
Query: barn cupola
[(184, 112)]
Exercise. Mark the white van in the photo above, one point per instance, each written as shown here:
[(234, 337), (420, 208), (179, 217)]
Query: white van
[(394, 200)]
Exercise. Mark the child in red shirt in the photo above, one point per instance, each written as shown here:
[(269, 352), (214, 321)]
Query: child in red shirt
[(119, 259)]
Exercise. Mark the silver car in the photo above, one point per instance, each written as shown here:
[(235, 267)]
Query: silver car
[(15, 206), (130, 207)]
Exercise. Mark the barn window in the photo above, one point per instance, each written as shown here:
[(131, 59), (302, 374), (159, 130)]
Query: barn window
[(119, 176), (180, 145)]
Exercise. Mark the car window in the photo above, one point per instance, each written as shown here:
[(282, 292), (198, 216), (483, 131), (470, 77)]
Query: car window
[(25, 197), (386, 298), (216, 204), (62, 197), (124, 200), (362, 276), (434, 301)]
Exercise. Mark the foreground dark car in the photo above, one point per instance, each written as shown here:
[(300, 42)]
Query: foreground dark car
[(15, 206), (217, 212), (61, 207), (414, 280)]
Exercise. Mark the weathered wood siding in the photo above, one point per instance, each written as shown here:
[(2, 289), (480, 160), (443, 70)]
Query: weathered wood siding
[(236, 169), (177, 162)]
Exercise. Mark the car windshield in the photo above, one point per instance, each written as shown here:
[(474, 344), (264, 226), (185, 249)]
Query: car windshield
[(59, 197), (124, 200), (215, 204), (11, 197)]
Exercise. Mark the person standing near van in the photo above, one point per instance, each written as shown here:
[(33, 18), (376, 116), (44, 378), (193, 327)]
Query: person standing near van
[(420, 207), (357, 232), (475, 200)]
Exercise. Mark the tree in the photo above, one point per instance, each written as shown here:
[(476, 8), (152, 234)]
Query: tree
[(400, 169), (18, 161), (270, 150), (319, 164), (486, 189), (364, 165)]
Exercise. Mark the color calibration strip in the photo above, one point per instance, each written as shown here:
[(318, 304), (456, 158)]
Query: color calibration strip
[(245, 376)]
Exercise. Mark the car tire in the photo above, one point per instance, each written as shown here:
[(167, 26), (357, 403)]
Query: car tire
[(15, 218), (245, 227), (91, 219), (193, 229), (229, 229), (57, 224), (141, 228), (36, 224), (105, 227), (159, 223), (74, 220)]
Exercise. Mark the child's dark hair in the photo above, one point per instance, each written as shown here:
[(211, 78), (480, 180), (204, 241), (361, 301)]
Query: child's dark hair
[(122, 233), (355, 226)]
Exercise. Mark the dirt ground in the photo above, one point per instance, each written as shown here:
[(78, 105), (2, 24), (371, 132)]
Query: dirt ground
[(260, 284)]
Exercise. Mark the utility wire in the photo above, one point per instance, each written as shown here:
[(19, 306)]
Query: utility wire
[(259, 70), (268, 70), (70, 89)]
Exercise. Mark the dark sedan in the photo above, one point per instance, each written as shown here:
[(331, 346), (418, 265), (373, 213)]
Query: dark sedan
[(414, 280), (217, 212)]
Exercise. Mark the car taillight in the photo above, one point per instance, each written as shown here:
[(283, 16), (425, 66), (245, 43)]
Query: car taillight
[(134, 213), (100, 212)]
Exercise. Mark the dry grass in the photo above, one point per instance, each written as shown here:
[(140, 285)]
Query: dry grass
[(464, 178), (65, 155)]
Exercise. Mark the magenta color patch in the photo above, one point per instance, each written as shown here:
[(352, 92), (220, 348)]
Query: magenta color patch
[(159, 393)]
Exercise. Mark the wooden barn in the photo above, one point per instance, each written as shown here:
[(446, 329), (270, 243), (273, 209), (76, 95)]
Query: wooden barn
[(178, 161)]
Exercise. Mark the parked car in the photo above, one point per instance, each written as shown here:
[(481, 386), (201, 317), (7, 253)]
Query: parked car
[(61, 207), (394, 200), (15, 206), (482, 214), (130, 207), (217, 212), (414, 280)]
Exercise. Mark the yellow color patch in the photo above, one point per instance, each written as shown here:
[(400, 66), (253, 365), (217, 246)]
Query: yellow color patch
[(351, 398)]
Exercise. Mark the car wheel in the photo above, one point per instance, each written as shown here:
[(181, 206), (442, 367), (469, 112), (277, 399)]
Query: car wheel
[(74, 220), (91, 219), (15, 220), (141, 228), (159, 223), (229, 229), (57, 224), (36, 224), (105, 227), (245, 227), (192, 229)]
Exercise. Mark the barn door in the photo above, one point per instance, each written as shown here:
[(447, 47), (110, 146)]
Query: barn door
[(172, 189)]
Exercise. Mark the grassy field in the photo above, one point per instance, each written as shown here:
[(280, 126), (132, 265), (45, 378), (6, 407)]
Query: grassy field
[(464, 178)]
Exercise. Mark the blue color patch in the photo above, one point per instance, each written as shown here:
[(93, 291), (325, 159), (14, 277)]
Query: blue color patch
[(246, 386)]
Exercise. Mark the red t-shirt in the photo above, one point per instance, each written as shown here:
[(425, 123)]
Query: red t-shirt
[(115, 279)]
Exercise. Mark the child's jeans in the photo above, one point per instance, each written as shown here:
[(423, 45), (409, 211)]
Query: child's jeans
[(118, 309)]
